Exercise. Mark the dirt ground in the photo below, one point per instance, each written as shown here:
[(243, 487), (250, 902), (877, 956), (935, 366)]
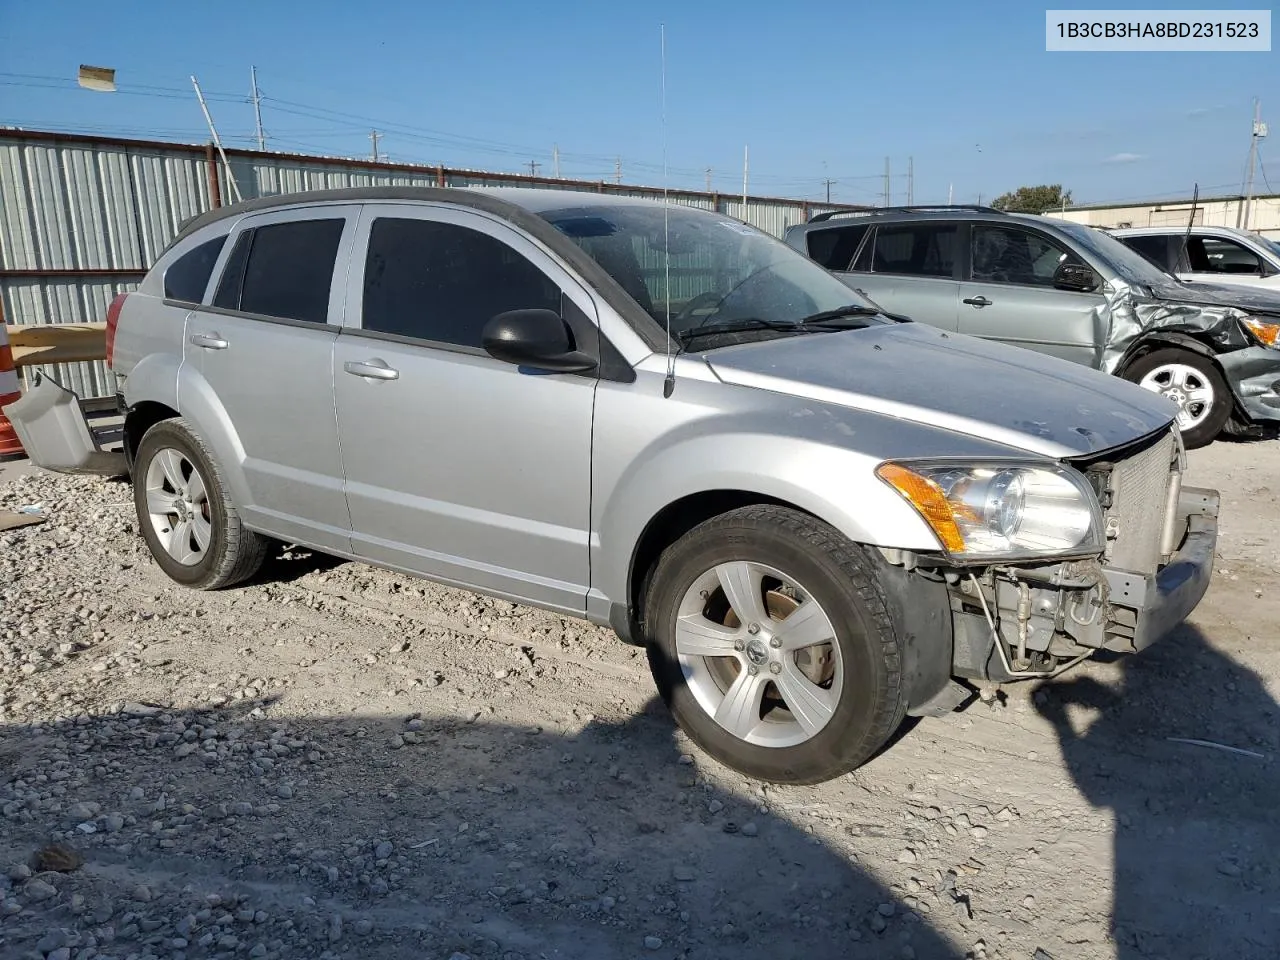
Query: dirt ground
[(336, 762)]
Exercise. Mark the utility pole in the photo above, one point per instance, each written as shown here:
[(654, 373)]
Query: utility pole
[(951, 187), (257, 109), (555, 161), (217, 141), (827, 183), (708, 179), (979, 199), (375, 136), (887, 189), (533, 168), (744, 183), (617, 170), (911, 180), (1259, 131)]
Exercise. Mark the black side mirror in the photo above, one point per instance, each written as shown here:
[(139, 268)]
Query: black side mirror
[(1075, 276), (535, 338)]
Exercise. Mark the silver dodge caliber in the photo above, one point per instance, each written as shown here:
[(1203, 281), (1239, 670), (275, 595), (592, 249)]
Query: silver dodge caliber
[(816, 518)]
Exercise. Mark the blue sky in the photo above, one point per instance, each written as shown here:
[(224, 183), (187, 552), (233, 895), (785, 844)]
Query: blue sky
[(816, 90)]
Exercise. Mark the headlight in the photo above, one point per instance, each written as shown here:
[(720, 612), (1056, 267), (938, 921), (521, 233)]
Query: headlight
[(1000, 511), (1265, 332)]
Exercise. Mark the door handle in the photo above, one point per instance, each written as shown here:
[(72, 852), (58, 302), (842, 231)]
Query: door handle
[(210, 341), (978, 302), (375, 369)]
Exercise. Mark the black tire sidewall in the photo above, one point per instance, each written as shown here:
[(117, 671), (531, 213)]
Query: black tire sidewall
[(858, 726), (1223, 399), (164, 435)]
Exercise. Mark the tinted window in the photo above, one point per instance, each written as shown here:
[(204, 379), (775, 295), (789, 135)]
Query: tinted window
[(228, 293), (188, 276), (442, 282), (834, 249), (1155, 249), (918, 249), (1010, 255), (290, 270)]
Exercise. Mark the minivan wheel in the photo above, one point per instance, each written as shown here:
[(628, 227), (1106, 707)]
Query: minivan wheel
[(1192, 382), (771, 642), (185, 514)]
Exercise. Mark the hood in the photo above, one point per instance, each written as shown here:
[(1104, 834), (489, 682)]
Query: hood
[(913, 372), (1251, 299)]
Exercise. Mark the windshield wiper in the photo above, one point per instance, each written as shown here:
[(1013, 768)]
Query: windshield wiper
[(827, 318), (739, 326)]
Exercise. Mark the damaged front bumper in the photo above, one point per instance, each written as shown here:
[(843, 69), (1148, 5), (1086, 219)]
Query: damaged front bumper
[(1254, 377), (51, 424), (1019, 622)]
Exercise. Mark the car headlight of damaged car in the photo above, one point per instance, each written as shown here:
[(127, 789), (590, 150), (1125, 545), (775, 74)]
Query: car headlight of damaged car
[(1266, 332), (1001, 511)]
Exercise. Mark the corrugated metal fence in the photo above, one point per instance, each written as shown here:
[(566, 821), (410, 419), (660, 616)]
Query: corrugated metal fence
[(82, 218)]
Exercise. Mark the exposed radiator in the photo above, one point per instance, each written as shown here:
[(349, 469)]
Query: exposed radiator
[(1139, 497)]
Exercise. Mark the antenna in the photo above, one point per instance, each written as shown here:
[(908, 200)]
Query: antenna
[(1186, 237), (217, 141), (257, 109), (669, 384)]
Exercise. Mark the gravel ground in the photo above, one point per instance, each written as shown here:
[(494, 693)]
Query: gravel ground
[(336, 761)]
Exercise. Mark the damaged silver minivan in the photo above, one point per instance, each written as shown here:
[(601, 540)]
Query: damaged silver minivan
[(656, 418), (1071, 291)]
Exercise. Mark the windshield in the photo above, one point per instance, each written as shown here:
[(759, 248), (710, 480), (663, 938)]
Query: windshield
[(722, 272), (1129, 265)]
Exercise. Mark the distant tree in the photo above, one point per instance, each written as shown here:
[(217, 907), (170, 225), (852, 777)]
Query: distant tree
[(1033, 199)]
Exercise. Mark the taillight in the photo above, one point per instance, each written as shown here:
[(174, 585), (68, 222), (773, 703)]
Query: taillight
[(113, 319)]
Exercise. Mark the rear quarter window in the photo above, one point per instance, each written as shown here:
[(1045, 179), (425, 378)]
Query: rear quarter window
[(835, 248), (187, 277)]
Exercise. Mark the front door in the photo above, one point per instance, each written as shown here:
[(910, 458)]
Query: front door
[(1010, 296), (264, 349), (459, 466)]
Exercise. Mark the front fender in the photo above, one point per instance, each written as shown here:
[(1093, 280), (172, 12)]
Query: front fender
[(834, 484)]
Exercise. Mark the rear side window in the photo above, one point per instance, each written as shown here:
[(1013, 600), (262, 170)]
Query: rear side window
[(835, 248), (442, 282), (287, 270), (1155, 249), (914, 249), (187, 277)]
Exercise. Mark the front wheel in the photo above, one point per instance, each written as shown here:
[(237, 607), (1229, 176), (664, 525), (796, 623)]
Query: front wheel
[(771, 642), (1192, 382)]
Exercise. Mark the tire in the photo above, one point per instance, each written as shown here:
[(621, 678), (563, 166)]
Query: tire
[(1176, 373), (169, 456), (862, 710)]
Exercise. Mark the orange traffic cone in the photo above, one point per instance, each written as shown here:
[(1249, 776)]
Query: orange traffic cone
[(10, 445)]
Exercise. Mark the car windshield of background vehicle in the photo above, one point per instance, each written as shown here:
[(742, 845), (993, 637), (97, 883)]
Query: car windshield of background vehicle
[(1131, 266), (721, 271)]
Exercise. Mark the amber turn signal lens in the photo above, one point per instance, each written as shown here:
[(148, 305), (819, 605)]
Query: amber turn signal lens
[(927, 497), (1268, 334)]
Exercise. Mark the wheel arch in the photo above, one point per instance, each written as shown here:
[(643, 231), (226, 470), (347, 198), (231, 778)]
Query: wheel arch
[(1166, 340)]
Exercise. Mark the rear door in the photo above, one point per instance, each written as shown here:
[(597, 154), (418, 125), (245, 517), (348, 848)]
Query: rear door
[(264, 348), (1010, 296), (910, 268), (459, 466)]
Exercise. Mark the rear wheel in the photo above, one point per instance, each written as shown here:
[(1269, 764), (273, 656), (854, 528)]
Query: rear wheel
[(185, 513), (1192, 382), (771, 642)]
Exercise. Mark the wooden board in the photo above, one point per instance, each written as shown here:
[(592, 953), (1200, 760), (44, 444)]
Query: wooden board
[(57, 342), (11, 521)]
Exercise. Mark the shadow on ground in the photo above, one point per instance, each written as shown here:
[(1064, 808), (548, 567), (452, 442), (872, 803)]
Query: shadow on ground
[(1197, 828), (240, 833)]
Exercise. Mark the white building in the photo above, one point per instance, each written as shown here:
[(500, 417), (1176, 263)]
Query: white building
[(1264, 214)]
